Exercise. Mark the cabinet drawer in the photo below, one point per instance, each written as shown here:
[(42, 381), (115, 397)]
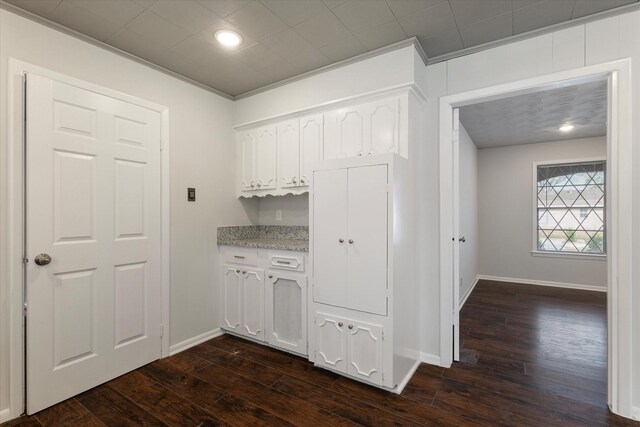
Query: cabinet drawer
[(246, 257), (286, 262)]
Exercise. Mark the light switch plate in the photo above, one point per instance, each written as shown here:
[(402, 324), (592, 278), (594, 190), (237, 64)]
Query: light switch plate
[(191, 194)]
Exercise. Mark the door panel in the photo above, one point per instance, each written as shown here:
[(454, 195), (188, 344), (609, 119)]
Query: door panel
[(253, 304), (288, 154), (311, 145), (365, 351), (232, 309), (351, 132), (94, 311), (330, 236), (331, 342), (247, 151), (287, 311), (382, 118), (367, 244), (265, 152)]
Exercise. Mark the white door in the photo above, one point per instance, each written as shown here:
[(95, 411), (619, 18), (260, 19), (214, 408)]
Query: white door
[(288, 139), (265, 152), (456, 234), (364, 346), (93, 206), (311, 145), (286, 311), (232, 298), (330, 236), (253, 303), (331, 342), (247, 153), (367, 239)]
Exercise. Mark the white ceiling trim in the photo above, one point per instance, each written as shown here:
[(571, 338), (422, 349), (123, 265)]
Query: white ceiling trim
[(537, 32)]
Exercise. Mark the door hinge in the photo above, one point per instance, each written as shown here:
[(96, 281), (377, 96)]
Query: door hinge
[(24, 309), (25, 260), (382, 336)]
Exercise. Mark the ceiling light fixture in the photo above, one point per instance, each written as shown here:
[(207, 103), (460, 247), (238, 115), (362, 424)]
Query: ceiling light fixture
[(566, 128), (228, 38)]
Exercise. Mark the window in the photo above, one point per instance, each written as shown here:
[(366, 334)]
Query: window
[(571, 207)]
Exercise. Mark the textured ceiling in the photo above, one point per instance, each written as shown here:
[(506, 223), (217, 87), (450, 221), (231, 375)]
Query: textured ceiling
[(536, 117), (284, 38)]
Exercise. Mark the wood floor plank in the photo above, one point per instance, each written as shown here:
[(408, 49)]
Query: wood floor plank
[(169, 407), (68, 413), (113, 409), (24, 421)]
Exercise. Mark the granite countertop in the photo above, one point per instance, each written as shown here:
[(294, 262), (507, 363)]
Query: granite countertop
[(283, 237)]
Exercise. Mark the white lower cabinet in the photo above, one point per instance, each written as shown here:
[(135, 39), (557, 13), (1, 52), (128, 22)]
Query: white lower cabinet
[(350, 346), (243, 301), (264, 296), (286, 311)]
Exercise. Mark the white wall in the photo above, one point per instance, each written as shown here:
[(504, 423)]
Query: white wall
[(294, 209), (587, 44), (468, 211), (202, 156), (506, 213)]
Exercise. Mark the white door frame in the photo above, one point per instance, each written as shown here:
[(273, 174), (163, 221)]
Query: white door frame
[(14, 279), (619, 243)]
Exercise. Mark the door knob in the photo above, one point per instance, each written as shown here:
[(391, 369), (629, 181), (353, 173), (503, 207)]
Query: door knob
[(271, 276), (42, 259), (294, 180), (351, 241), (350, 326), (341, 240), (340, 324), (462, 239)]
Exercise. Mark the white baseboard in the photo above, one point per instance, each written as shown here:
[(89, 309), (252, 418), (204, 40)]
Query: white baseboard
[(5, 415), (429, 358), (406, 379), (466, 294), (191, 342), (544, 283), (635, 412)]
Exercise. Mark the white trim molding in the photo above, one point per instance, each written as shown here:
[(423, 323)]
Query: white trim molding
[(468, 292), (636, 413), (430, 359), (192, 342), (577, 286), (407, 378), (5, 415)]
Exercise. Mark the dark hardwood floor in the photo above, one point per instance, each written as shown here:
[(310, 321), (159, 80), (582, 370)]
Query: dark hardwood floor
[(531, 356)]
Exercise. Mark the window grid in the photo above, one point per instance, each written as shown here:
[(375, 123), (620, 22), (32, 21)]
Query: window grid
[(571, 207)]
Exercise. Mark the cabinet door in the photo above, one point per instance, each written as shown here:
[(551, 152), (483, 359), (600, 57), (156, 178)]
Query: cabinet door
[(232, 299), (351, 132), (331, 345), (247, 160), (311, 145), (367, 254), (286, 311), (253, 304), (265, 152), (330, 236), (364, 347), (382, 126), (288, 137)]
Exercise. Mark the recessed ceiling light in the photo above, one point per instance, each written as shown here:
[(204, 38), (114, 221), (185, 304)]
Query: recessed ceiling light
[(566, 128), (228, 38)]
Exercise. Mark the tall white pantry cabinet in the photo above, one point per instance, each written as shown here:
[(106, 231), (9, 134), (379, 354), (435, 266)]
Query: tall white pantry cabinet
[(364, 296)]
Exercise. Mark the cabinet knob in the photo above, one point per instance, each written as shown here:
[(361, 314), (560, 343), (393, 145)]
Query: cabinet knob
[(294, 180), (271, 276), (244, 272), (341, 240), (259, 185), (238, 271), (350, 326), (252, 184), (351, 241), (340, 324), (302, 180)]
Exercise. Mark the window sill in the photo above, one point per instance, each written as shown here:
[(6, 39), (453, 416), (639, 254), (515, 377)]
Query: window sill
[(581, 256)]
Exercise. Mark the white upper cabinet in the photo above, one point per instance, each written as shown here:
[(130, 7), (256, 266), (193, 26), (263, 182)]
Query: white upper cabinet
[(372, 128), (247, 160), (311, 145), (288, 154), (265, 153), (276, 159)]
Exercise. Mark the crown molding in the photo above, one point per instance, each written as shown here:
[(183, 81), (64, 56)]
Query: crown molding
[(535, 33), (68, 31)]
